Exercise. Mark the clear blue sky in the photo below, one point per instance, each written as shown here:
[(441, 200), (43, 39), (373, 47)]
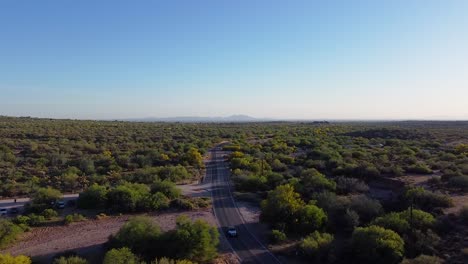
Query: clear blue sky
[(285, 59)]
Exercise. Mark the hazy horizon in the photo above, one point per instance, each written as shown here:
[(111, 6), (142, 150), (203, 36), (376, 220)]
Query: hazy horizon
[(307, 60)]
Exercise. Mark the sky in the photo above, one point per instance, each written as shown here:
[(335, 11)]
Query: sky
[(87, 59)]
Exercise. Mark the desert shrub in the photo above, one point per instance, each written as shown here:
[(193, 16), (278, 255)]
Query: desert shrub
[(276, 236), (183, 203), (401, 222), (310, 218), (156, 201), (126, 197), (168, 188), (8, 232), (316, 246), (421, 242), (392, 221), (464, 215), (201, 202), (423, 259), (93, 197), (196, 240), (70, 260), (376, 244), (427, 200), (9, 259), (74, 218), (49, 213), (459, 182), (21, 220), (120, 256), (281, 207), (419, 168), (346, 185), (312, 180), (36, 220), (421, 220), (366, 208), (137, 234), (42, 199)]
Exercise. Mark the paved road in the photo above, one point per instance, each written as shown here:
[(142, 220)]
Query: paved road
[(20, 202), (246, 246)]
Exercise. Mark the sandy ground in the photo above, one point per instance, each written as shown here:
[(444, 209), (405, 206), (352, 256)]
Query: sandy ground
[(86, 238)]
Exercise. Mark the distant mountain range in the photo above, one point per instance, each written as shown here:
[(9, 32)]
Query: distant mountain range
[(199, 119)]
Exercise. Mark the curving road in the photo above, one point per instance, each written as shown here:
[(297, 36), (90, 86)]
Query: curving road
[(246, 246)]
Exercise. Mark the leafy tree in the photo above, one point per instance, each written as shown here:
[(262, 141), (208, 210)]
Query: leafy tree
[(125, 197), (194, 158), (281, 207), (393, 221), (93, 197), (9, 259), (277, 236), (157, 201), (120, 256), (44, 198), (313, 181), (49, 213), (137, 234), (196, 240), (366, 208), (168, 188), (376, 244), (426, 200), (316, 246), (311, 218)]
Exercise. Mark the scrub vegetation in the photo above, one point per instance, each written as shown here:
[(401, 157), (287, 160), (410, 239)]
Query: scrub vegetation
[(337, 192)]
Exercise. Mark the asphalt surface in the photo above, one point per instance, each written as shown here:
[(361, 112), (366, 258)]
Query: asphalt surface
[(246, 246), (20, 202)]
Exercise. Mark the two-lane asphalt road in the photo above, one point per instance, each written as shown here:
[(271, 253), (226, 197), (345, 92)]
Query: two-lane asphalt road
[(245, 245)]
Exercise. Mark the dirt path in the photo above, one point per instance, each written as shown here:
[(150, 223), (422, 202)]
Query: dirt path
[(86, 238)]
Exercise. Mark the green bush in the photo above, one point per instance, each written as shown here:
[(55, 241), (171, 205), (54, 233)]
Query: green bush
[(137, 234), (197, 240), (366, 208), (126, 197), (419, 168), (464, 215), (154, 202), (9, 259), (281, 207), (276, 236), (36, 220), (8, 232), (120, 256), (93, 197), (49, 213), (70, 260), (317, 246), (184, 204), (459, 182), (74, 218), (168, 188), (427, 200), (376, 244), (310, 218)]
